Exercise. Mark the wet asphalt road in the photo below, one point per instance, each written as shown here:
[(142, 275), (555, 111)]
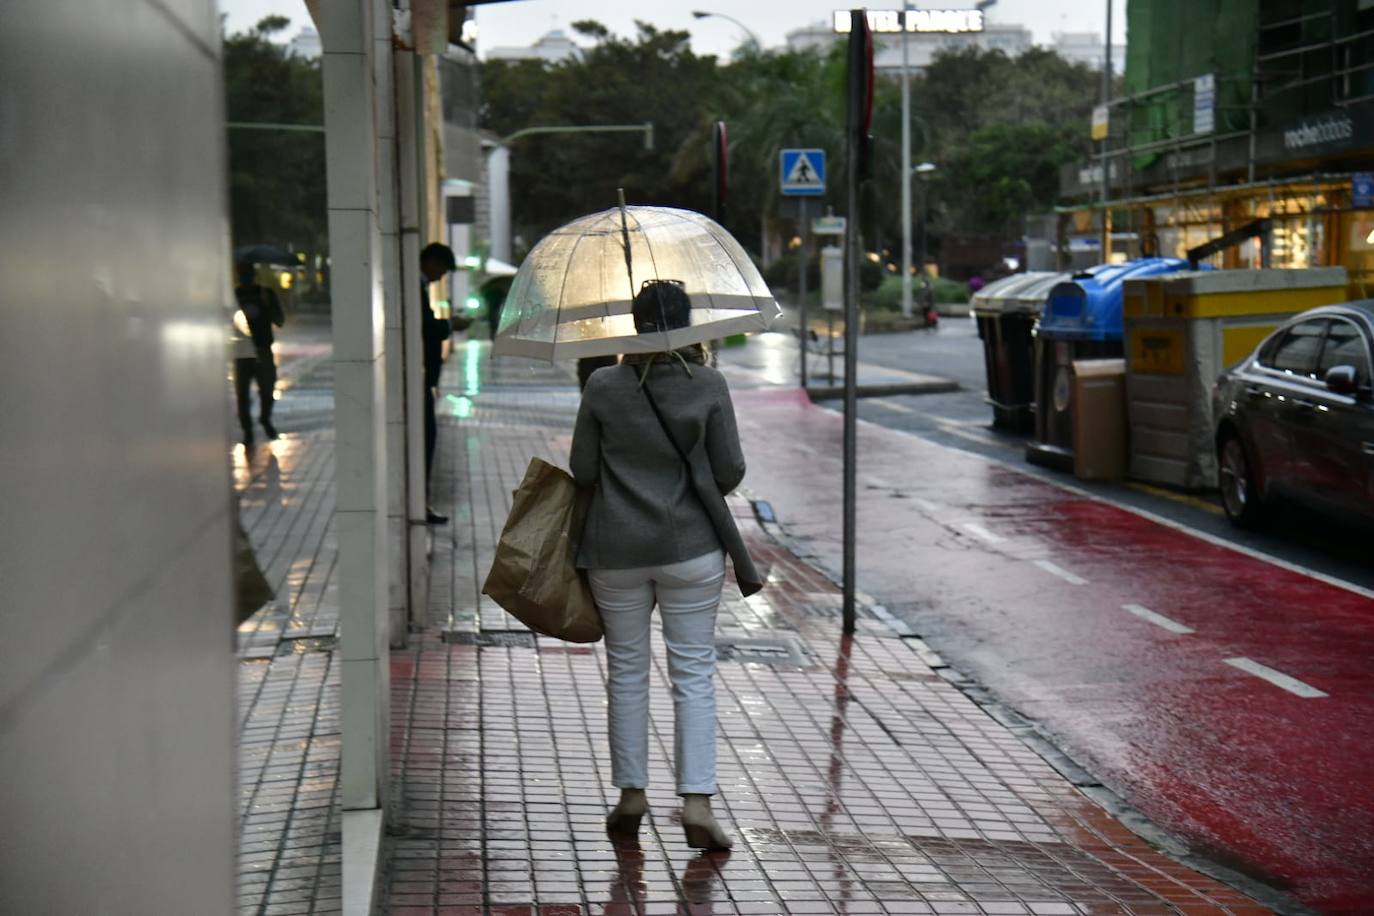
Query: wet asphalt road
[(1218, 681), (963, 420)]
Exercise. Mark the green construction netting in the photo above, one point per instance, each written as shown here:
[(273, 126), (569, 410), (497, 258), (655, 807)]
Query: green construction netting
[(1172, 40)]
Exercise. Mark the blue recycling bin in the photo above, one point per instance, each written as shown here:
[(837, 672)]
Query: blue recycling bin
[(1081, 320)]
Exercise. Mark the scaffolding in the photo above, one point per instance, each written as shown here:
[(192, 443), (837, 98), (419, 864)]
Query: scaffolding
[(1264, 123)]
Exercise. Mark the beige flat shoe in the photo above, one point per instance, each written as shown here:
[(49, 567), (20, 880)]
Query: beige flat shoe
[(700, 826), (625, 817)]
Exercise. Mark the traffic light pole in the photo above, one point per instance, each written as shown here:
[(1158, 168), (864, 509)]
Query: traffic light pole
[(859, 76)]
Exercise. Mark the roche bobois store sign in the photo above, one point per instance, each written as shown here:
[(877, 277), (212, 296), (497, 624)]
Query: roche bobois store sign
[(1328, 132), (1343, 132), (946, 21)]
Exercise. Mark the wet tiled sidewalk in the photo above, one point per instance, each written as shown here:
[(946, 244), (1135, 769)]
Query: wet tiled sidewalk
[(288, 685), (855, 777)]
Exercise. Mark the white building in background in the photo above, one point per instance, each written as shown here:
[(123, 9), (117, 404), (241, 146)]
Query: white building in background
[(1009, 38), (553, 47), (306, 44), (1086, 48), (921, 46)]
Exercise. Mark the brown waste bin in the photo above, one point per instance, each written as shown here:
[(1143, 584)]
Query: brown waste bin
[(1100, 446)]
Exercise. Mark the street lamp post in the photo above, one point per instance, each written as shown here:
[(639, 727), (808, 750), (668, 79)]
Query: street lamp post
[(647, 128), (1106, 163), (906, 172), (498, 165), (923, 172), (702, 14), (982, 5)]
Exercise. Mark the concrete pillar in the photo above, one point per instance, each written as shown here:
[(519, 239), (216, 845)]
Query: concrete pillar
[(410, 117), (397, 536), (117, 669), (349, 35), (498, 187)]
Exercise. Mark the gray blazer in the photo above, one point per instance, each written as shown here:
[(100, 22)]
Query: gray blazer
[(643, 511)]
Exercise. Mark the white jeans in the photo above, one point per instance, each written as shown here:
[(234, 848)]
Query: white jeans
[(687, 594)]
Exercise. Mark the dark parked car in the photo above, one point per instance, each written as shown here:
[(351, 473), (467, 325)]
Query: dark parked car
[(1295, 419)]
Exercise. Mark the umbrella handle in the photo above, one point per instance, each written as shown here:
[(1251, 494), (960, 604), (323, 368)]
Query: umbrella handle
[(625, 240)]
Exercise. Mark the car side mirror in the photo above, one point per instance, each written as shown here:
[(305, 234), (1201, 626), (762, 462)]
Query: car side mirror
[(1342, 380)]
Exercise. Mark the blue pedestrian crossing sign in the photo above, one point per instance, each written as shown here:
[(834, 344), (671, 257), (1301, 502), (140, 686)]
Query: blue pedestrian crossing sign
[(803, 172)]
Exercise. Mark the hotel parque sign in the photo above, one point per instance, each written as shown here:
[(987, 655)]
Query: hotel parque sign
[(948, 21)]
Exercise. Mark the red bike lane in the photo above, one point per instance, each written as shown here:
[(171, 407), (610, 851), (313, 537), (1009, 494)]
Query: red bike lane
[(1226, 697)]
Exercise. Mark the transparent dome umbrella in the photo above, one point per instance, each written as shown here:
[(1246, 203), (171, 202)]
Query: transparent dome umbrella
[(572, 295)]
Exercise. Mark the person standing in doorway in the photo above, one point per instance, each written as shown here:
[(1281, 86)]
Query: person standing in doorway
[(261, 310), (436, 262)]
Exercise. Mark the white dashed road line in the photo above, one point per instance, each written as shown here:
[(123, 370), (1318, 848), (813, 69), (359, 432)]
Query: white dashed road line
[(1159, 620), (1061, 572), (982, 533), (1277, 678), (899, 408)]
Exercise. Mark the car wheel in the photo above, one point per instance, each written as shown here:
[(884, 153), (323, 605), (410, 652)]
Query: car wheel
[(1239, 495)]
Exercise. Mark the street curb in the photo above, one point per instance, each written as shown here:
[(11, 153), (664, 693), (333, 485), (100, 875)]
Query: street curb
[(833, 392), (1036, 737)]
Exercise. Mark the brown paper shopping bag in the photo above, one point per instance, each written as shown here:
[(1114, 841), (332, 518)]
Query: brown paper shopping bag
[(534, 575)]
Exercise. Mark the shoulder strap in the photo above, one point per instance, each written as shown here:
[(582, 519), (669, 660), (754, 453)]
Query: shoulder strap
[(653, 405)]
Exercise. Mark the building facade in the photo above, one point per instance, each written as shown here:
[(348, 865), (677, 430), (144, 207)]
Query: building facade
[(1087, 48), (921, 46), (1263, 110), (306, 44), (553, 47)]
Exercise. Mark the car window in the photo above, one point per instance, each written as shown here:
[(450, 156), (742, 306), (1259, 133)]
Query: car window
[(1345, 346), (1298, 349)]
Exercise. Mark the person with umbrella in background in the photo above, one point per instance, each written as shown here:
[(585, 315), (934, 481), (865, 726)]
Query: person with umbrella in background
[(260, 310)]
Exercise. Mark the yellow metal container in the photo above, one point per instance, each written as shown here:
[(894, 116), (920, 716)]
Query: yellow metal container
[(1181, 331)]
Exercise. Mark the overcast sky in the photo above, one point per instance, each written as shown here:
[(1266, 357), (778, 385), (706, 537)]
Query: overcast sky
[(521, 22)]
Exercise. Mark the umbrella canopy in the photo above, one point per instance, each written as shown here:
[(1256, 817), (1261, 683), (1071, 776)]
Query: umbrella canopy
[(266, 254), (573, 293)]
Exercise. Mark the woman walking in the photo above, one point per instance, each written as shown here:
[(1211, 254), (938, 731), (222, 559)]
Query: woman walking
[(656, 438)]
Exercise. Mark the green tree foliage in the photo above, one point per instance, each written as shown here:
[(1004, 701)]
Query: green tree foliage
[(276, 177), (556, 177), (998, 127), (999, 174), (772, 101)]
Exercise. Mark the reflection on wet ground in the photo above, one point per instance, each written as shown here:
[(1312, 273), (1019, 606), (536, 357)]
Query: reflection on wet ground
[(854, 777), (288, 722)]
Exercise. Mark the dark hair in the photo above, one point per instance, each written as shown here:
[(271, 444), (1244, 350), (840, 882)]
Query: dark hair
[(661, 305), (438, 251)]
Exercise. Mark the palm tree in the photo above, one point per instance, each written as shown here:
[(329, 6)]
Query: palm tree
[(770, 101)]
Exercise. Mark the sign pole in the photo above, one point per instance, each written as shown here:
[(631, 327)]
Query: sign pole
[(859, 101), (830, 347), (803, 336)]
